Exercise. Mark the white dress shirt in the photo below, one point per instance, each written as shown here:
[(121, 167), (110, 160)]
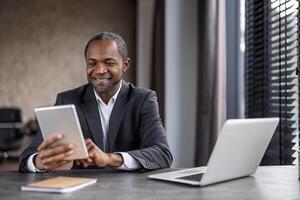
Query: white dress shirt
[(104, 111)]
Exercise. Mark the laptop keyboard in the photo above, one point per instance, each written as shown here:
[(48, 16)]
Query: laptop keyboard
[(190, 171), (194, 177)]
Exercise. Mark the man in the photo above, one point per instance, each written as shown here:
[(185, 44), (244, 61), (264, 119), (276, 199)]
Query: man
[(120, 122)]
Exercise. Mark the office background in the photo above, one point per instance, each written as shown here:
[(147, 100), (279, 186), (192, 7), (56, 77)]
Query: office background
[(42, 44), (191, 52)]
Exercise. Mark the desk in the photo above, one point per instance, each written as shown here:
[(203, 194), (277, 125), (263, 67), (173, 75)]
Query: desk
[(276, 182)]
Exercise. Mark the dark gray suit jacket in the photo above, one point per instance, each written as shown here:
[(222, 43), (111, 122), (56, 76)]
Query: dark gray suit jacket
[(134, 127)]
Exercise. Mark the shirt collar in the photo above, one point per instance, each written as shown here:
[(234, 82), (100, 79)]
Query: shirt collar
[(113, 98)]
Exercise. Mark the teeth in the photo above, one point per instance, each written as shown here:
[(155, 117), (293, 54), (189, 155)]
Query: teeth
[(100, 79)]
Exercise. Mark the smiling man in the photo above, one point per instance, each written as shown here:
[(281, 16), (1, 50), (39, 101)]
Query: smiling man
[(120, 122)]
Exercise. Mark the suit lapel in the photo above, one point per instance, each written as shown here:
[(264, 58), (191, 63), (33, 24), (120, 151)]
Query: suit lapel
[(117, 116), (90, 108)]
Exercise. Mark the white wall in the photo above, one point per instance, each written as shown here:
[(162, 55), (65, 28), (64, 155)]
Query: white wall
[(181, 79)]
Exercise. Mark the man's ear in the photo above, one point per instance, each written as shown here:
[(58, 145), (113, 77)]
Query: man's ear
[(126, 64)]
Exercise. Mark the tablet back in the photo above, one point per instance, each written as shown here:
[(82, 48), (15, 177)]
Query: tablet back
[(64, 120)]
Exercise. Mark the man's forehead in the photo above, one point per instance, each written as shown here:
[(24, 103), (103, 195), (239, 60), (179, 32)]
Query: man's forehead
[(102, 47)]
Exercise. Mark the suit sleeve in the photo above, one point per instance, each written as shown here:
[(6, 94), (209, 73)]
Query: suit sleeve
[(32, 148), (154, 151)]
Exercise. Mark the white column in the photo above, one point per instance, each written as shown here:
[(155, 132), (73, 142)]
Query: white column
[(181, 78)]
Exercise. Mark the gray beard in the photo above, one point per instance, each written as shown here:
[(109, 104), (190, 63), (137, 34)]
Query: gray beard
[(108, 89)]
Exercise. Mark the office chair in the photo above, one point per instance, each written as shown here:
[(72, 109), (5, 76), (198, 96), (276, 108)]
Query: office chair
[(11, 133)]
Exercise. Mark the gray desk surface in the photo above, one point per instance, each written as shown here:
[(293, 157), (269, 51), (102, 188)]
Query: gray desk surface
[(274, 182)]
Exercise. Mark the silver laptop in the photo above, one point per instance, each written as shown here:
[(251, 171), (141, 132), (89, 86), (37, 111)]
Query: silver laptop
[(237, 153)]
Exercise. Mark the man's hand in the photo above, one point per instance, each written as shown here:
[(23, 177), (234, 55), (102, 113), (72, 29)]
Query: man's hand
[(49, 158), (99, 158)]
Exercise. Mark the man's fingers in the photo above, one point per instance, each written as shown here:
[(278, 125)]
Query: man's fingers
[(48, 142), (92, 154), (88, 141), (57, 150), (53, 166), (85, 162), (56, 158), (82, 162), (89, 146), (77, 162)]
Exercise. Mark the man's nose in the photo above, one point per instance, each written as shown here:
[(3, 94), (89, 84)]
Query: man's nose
[(100, 69)]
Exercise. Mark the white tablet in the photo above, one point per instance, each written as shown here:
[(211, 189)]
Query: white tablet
[(64, 120)]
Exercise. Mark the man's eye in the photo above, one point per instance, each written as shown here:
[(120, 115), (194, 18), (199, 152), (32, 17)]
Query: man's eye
[(91, 64), (111, 64)]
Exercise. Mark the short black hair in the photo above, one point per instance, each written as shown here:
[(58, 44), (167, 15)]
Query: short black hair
[(122, 47)]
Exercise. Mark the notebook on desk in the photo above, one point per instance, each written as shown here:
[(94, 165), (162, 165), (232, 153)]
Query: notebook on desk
[(237, 153), (60, 184)]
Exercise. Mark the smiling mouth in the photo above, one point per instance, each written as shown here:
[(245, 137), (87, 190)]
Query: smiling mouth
[(101, 80)]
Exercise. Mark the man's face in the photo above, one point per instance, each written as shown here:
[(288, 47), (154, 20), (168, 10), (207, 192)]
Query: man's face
[(105, 66)]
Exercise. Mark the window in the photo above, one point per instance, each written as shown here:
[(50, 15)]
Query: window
[(271, 80)]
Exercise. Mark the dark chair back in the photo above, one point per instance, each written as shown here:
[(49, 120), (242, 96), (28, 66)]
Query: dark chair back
[(10, 115), (11, 133)]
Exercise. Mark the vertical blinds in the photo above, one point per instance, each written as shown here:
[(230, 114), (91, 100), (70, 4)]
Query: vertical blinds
[(271, 63)]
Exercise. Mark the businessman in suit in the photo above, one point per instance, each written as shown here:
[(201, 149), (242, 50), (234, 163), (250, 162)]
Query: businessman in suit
[(120, 122)]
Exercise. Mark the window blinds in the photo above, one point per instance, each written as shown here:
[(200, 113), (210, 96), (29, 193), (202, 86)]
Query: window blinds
[(271, 63)]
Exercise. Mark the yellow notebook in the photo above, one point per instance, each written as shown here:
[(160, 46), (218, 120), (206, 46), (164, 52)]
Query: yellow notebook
[(60, 184)]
